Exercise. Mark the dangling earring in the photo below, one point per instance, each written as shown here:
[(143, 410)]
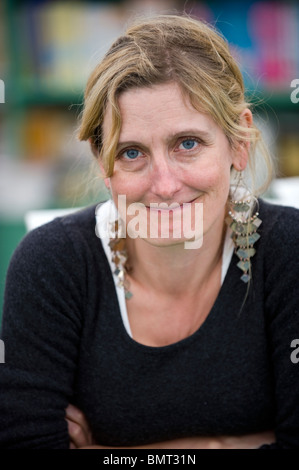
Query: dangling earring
[(244, 224), (117, 245)]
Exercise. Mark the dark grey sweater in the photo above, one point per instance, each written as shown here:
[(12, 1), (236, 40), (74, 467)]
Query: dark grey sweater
[(65, 342)]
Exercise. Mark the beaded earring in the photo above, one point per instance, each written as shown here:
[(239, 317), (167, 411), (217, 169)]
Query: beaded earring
[(119, 258), (244, 224)]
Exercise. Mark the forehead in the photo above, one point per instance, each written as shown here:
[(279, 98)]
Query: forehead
[(159, 108)]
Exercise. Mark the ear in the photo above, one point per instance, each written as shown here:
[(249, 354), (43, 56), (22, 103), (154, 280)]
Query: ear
[(107, 183), (241, 152)]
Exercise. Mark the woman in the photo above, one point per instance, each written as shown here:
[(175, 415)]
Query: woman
[(148, 334)]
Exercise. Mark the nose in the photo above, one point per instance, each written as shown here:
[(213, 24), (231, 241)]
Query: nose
[(165, 181)]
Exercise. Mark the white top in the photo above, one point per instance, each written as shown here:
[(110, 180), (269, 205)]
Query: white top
[(106, 214)]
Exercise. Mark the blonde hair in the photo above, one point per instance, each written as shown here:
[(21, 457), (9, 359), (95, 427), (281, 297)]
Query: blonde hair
[(171, 48)]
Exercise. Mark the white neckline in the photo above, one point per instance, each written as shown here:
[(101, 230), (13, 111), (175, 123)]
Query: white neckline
[(106, 213)]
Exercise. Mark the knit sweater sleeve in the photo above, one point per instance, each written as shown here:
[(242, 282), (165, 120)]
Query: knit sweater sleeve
[(41, 332), (282, 316)]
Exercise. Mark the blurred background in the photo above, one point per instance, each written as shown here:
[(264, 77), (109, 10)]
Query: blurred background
[(47, 50)]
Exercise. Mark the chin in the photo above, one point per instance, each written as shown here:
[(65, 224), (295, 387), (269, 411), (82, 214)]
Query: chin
[(166, 242)]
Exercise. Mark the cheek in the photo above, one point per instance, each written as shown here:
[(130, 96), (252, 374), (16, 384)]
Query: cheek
[(212, 178), (127, 185)]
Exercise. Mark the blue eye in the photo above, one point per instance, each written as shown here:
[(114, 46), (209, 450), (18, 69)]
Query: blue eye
[(131, 158), (131, 154), (188, 144)]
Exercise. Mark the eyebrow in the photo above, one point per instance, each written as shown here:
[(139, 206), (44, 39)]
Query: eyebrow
[(200, 133)]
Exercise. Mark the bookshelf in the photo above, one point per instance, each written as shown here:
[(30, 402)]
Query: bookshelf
[(48, 48), (53, 45)]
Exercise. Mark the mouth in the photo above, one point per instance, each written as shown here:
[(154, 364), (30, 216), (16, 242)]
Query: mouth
[(164, 207)]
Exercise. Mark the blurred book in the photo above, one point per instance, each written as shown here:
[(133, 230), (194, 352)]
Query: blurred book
[(264, 38), (62, 38), (288, 149), (274, 27), (45, 133)]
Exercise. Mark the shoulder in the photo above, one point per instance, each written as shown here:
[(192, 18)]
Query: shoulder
[(279, 247), (280, 224), (59, 262), (65, 239)]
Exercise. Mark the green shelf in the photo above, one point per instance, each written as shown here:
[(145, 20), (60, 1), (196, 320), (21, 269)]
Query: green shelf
[(46, 98), (11, 233), (21, 96), (280, 101)]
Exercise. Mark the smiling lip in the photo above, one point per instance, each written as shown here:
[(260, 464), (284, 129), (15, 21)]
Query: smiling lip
[(161, 209)]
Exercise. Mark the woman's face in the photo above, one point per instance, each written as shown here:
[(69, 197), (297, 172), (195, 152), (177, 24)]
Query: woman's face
[(168, 152)]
